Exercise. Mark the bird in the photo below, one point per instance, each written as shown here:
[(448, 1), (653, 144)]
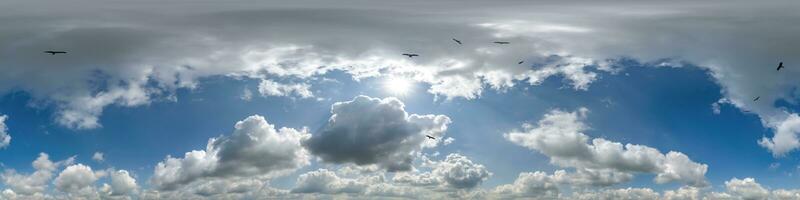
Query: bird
[(457, 41), (410, 55), (756, 99), (55, 52), (502, 42), (780, 65), (520, 62), (430, 137)]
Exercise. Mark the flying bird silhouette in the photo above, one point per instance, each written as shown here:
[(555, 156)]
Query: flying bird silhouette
[(410, 55), (520, 62), (430, 137), (457, 41), (756, 99), (502, 42), (55, 52), (780, 65)]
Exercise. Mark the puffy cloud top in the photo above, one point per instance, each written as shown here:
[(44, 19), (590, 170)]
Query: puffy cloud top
[(327, 182), (122, 183), (36, 182), (747, 189), (75, 178), (460, 172), (536, 184), (255, 148)]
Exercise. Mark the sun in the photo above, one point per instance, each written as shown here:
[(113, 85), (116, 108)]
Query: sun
[(398, 85)]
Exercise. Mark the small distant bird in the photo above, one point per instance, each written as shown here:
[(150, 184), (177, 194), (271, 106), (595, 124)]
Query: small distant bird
[(457, 41), (55, 52), (520, 62), (780, 65), (410, 55), (502, 42), (430, 137), (756, 99)]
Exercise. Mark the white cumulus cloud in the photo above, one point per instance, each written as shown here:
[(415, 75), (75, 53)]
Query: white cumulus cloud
[(559, 135), (254, 149)]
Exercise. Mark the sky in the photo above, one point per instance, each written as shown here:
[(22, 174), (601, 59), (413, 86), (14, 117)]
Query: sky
[(313, 99)]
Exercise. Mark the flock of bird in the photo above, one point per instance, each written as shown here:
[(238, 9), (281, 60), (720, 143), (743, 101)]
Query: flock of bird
[(780, 66), (411, 55)]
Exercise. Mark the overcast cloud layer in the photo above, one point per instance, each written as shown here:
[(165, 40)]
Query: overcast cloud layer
[(132, 54)]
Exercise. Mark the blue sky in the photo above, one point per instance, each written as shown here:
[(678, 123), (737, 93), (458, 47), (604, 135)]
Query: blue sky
[(172, 101), (665, 108)]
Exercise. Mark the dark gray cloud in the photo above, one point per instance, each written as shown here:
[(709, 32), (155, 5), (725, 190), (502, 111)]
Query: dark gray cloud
[(369, 130)]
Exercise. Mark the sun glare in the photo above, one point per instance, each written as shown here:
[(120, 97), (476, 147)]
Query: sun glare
[(398, 85)]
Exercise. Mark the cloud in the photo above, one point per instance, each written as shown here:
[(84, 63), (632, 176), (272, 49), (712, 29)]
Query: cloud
[(247, 95), (369, 130), (715, 107), (548, 186), (622, 194), (254, 149), (33, 184), (327, 182), (359, 41), (686, 192), (455, 172), (364, 41), (536, 185), (390, 190), (783, 194), (98, 156), (82, 112), (448, 141), (229, 188), (746, 189), (657, 31), (559, 135), (141, 54), (77, 179), (785, 139), (540, 185), (592, 177), (5, 139), (460, 172), (122, 183), (455, 176), (749, 189), (272, 88)]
